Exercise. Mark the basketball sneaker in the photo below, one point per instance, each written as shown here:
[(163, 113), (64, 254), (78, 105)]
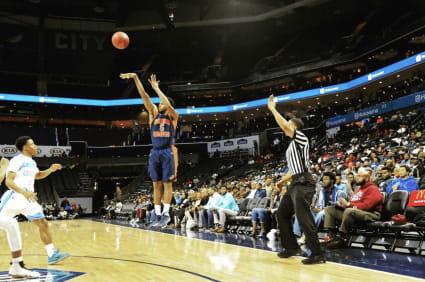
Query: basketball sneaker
[(18, 270), (57, 257)]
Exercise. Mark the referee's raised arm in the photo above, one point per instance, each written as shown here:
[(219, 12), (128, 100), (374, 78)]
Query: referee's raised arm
[(283, 123)]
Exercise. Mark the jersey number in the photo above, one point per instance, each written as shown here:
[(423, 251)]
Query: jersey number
[(161, 127)]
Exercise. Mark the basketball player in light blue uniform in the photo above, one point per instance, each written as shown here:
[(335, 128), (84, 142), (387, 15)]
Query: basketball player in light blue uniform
[(11, 226), (21, 199)]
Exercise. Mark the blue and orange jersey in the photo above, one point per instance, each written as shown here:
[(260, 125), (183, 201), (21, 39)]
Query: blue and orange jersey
[(162, 131)]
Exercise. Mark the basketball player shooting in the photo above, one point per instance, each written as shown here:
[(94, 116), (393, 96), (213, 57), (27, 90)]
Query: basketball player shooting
[(163, 157)]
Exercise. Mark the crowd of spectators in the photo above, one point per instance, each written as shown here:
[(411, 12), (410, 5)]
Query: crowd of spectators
[(66, 210), (354, 173)]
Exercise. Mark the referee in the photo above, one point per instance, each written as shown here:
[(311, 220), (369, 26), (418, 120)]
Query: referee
[(300, 193)]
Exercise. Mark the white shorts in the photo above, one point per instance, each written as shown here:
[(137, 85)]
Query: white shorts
[(12, 204)]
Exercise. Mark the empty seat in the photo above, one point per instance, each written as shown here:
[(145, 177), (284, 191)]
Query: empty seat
[(395, 204)]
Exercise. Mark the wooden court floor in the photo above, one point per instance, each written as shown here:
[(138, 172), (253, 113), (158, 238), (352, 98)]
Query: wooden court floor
[(108, 252)]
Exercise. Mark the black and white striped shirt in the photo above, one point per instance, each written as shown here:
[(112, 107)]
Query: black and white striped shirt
[(297, 153)]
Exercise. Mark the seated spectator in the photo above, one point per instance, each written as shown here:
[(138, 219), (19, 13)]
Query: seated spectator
[(178, 198), (351, 184), (190, 213), (261, 212), (110, 209), (376, 163), (118, 207), (329, 195), (226, 207), (213, 199), (63, 214), (396, 173), (253, 190), (65, 202), (178, 211), (338, 183), (55, 210), (269, 187), (418, 169), (245, 191), (405, 182), (260, 192), (200, 206), (365, 205), (406, 160), (79, 210), (385, 179), (270, 218), (137, 214)]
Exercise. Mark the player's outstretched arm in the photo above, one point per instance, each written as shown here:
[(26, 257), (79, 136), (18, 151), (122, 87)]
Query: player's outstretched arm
[(150, 107), (4, 163), (281, 121), (47, 172), (155, 86)]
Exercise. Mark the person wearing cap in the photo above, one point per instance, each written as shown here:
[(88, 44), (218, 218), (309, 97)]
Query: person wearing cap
[(418, 169)]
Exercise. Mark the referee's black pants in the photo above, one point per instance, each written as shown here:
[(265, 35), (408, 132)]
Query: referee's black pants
[(298, 200)]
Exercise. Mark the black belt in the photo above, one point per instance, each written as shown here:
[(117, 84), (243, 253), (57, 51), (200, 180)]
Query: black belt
[(296, 176)]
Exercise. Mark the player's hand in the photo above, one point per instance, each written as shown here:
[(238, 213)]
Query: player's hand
[(4, 163), (395, 187), (212, 209), (30, 196), (154, 83), (271, 104), (55, 167), (128, 75)]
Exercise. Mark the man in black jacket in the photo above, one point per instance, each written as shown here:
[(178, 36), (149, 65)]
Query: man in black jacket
[(418, 170)]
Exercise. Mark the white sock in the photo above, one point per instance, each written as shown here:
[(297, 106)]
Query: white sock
[(50, 249), (17, 260), (158, 209), (166, 209)]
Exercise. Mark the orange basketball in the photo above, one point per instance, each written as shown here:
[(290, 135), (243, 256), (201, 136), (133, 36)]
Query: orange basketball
[(120, 40)]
